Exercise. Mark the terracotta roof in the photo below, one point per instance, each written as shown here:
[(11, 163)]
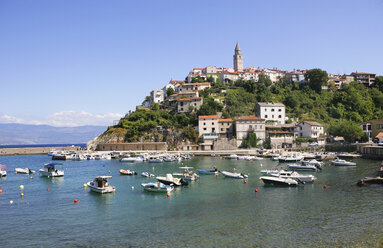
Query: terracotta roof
[(204, 83), (198, 68), (364, 73), (380, 135), (249, 118), (190, 98), (176, 81), (208, 117), (225, 120)]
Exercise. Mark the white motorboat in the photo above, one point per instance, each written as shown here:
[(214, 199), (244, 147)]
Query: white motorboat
[(135, 159), (187, 174), (234, 175), (3, 170), (155, 160), (303, 167), (24, 171), (312, 162), (342, 162), (157, 187), (291, 158), (170, 180), (208, 172), (294, 175), (147, 174), (127, 172), (232, 156), (101, 185), (279, 181), (50, 170), (268, 172)]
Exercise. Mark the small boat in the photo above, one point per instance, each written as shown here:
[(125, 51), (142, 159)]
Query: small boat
[(187, 174), (303, 167), (127, 172), (155, 160), (3, 170), (208, 172), (291, 158), (234, 175), (312, 162), (50, 170), (232, 156), (279, 181), (341, 162), (370, 180), (294, 175), (157, 187), (24, 171), (101, 185), (170, 180), (147, 174), (135, 159)]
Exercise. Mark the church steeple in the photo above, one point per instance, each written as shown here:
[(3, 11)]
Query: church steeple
[(238, 59)]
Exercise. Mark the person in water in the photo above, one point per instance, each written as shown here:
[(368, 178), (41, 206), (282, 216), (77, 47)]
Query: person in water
[(215, 168)]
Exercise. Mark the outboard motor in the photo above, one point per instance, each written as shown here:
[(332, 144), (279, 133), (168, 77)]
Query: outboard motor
[(183, 182)]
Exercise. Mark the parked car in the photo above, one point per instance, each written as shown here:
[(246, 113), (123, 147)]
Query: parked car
[(314, 144)]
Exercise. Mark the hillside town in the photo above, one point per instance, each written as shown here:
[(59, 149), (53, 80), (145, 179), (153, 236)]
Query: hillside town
[(268, 121)]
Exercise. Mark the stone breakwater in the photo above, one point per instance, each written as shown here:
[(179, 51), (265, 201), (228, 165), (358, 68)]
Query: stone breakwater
[(35, 150)]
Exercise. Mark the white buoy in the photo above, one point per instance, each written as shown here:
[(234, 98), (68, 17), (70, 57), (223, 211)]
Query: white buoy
[(21, 187), (132, 187), (10, 202)]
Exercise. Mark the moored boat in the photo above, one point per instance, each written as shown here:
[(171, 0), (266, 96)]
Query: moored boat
[(157, 187), (101, 185), (24, 171), (234, 175), (342, 162), (50, 170), (147, 174), (208, 172), (170, 180), (127, 172), (3, 170), (294, 175), (279, 181)]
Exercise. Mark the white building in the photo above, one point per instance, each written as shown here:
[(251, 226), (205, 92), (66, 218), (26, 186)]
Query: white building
[(208, 124), (157, 96), (249, 124), (310, 129), (271, 111), (367, 129), (172, 84), (193, 87)]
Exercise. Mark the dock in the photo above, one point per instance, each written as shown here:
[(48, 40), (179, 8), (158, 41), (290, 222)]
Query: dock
[(35, 150)]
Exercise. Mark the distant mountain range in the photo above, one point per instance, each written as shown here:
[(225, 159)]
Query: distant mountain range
[(22, 134)]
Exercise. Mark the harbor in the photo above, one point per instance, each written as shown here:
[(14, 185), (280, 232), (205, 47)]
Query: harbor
[(212, 211)]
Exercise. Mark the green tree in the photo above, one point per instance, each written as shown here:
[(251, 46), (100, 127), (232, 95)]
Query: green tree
[(265, 80), (316, 79), (170, 91), (250, 141), (379, 82)]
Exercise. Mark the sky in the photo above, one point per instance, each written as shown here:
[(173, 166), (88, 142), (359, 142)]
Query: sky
[(71, 63)]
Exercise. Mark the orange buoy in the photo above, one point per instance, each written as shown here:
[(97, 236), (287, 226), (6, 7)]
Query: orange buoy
[(34, 173), (256, 190), (167, 195), (245, 182), (216, 175), (281, 167), (75, 200), (325, 186), (1, 191), (15, 172), (47, 189)]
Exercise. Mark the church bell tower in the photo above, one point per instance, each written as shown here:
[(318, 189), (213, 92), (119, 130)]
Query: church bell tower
[(238, 59)]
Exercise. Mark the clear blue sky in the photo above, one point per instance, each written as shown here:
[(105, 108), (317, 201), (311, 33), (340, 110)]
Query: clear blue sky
[(102, 57)]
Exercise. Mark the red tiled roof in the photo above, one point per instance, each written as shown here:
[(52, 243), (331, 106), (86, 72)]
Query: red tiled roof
[(190, 98), (248, 118), (225, 120), (208, 117), (313, 123), (379, 135), (204, 83), (364, 73), (176, 81), (198, 68)]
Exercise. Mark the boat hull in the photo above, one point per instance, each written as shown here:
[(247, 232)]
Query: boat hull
[(52, 173), (104, 190), (279, 182), (234, 175)]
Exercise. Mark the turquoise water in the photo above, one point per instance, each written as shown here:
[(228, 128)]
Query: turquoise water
[(212, 212)]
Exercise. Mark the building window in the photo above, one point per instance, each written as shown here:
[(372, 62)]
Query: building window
[(260, 126), (279, 116), (265, 116), (255, 127), (272, 110), (204, 128), (279, 110), (204, 123), (221, 129), (272, 116)]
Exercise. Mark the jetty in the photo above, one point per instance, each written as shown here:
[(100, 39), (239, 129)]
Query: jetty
[(36, 150)]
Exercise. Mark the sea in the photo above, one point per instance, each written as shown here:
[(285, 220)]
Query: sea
[(211, 212), (83, 145)]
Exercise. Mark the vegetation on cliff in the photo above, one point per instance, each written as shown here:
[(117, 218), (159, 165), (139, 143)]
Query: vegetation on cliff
[(340, 111)]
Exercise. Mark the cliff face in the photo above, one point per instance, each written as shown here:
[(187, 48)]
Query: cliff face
[(174, 139)]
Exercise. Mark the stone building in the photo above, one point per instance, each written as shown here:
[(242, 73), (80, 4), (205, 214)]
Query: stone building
[(310, 129), (225, 127), (184, 104), (249, 124), (271, 111)]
